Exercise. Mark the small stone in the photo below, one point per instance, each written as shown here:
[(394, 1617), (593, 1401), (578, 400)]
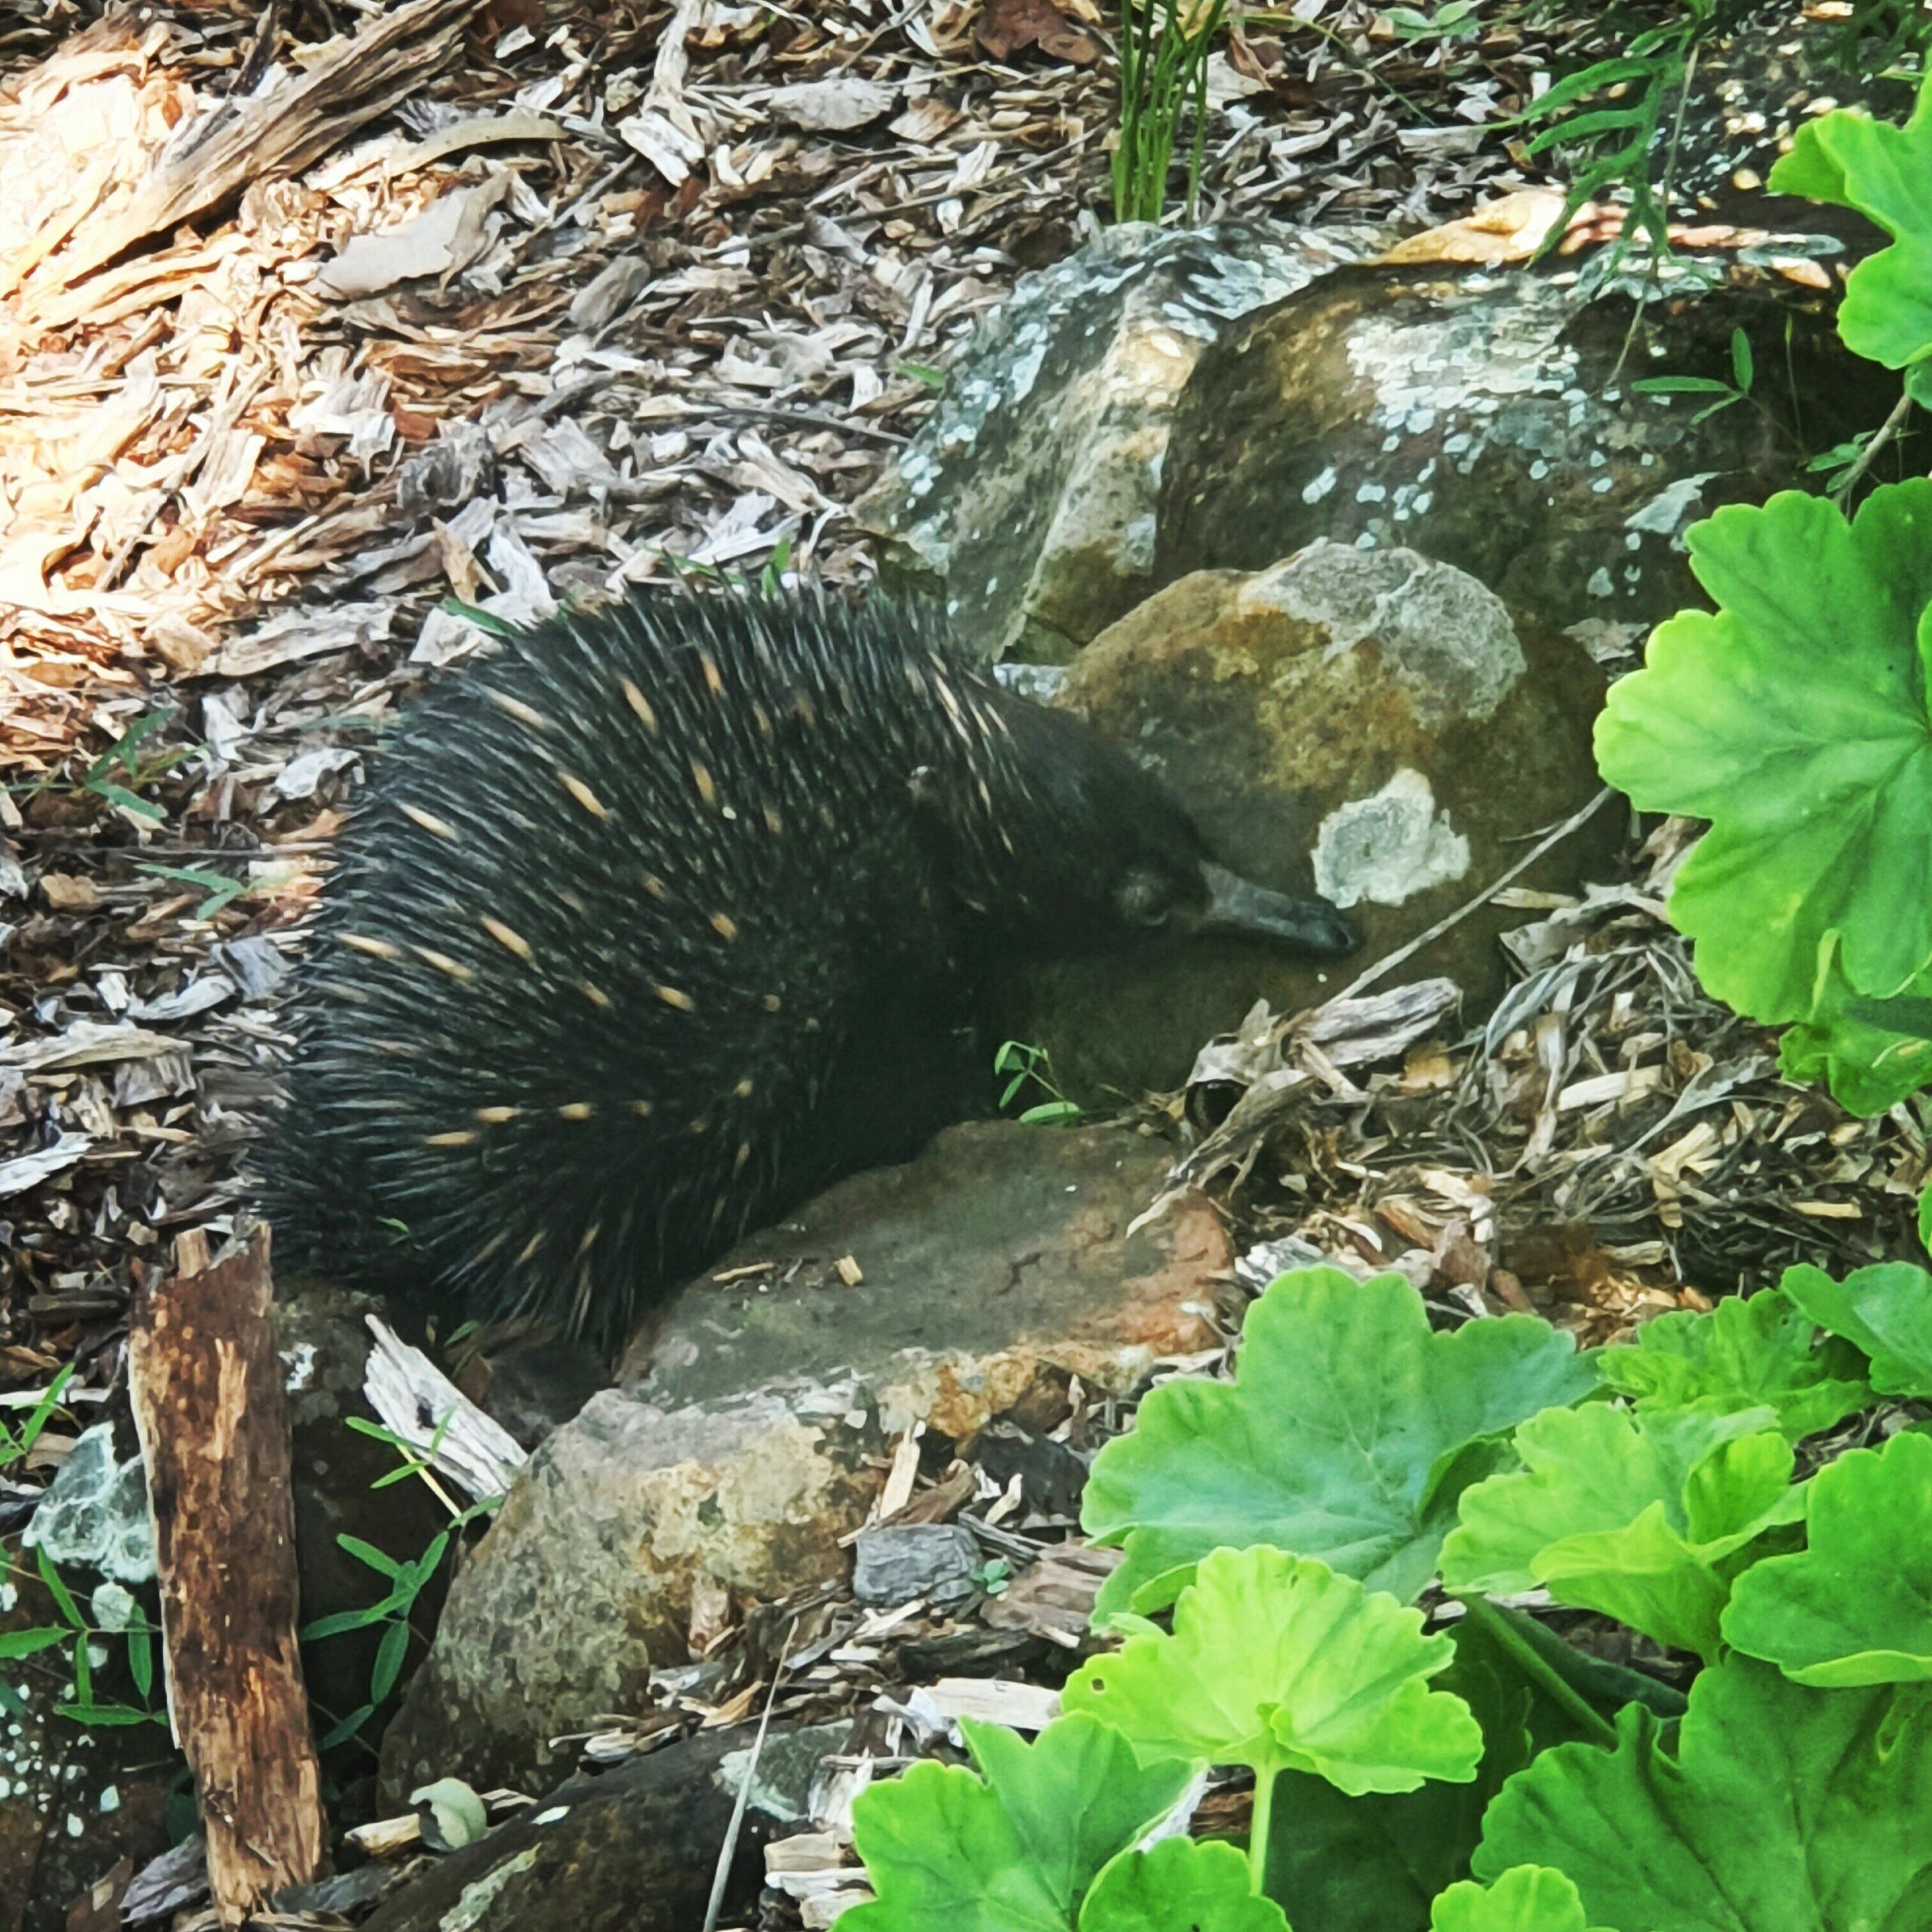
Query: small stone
[(935, 1561), (114, 1607)]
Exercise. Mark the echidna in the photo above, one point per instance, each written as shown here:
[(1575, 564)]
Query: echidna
[(660, 918)]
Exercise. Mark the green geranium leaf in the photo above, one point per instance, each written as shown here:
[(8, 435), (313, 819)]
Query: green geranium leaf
[(1787, 1809), (1373, 1864), (1847, 1043), (1012, 1849), (1855, 1606), (1853, 162), (1277, 1663), (1632, 1515), (1527, 1898), (1748, 1352), (1794, 718), (1179, 1886), (1885, 1310), (1346, 1434)]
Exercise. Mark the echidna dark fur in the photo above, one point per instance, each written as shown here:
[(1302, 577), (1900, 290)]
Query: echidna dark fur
[(654, 921)]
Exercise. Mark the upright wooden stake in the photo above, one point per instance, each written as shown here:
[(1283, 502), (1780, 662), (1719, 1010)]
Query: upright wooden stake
[(207, 1385)]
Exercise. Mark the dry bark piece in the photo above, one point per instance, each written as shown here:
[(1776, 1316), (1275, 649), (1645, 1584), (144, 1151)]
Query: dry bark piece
[(1006, 27), (207, 1390)]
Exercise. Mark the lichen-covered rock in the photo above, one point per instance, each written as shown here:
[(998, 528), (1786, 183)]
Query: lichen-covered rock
[(95, 1511), (1483, 419), (749, 1437), (1365, 721), (1027, 502)]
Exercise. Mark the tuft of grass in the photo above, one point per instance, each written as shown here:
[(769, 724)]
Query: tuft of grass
[(394, 1610), (1022, 1067), (1164, 49)]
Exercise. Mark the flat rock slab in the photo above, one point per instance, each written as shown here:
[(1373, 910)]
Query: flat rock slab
[(1001, 1245), (751, 1433)]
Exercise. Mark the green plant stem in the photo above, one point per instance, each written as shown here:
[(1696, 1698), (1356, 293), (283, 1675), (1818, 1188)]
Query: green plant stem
[(1258, 1829), (1660, 236), (1840, 491), (1487, 1617)]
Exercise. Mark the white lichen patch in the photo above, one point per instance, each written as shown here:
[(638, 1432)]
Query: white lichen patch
[(95, 1511), (1446, 639), (1673, 509), (1416, 367), (473, 1906), (1387, 848)]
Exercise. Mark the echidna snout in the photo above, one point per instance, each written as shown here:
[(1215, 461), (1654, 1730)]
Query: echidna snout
[(1236, 904), (657, 920)]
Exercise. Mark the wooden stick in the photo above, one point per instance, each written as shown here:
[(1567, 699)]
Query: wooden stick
[(207, 1387)]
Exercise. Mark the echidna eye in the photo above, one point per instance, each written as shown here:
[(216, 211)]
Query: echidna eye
[(1144, 900)]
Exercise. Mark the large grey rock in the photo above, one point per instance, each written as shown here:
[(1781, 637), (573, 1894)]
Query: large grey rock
[(1027, 502), (1365, 721), (751, 1433), (1482, 420)]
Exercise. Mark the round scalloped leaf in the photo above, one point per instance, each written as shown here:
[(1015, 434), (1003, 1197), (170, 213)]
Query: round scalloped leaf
[(1012, 1850), (1277, 1663), (1885, 1310), (1181, 1885), (1346, 1434), (1794, 719), (1849, 159), (1786, 1809), (1855, 1606), (1527, 1898), (1868, 1066), (1630, 1515), (1748, 1352)]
